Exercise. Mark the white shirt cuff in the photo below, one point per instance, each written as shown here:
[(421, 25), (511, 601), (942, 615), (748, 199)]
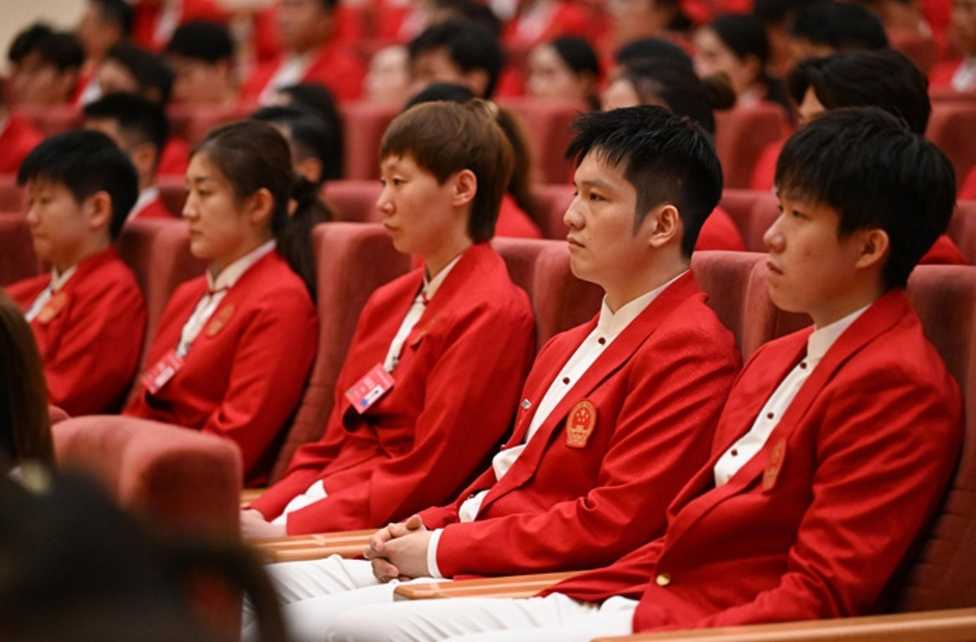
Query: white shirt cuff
[(432, 567)]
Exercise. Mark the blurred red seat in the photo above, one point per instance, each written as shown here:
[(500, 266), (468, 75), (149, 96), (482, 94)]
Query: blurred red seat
[(740, 136)]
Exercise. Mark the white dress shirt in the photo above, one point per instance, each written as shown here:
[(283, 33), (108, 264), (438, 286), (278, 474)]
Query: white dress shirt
[(217, 289), (752, 442), (608, 327), (57, 282)]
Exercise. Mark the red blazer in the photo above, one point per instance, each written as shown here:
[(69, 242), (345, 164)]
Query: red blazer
[(571, 18), (17, 139), (657, 390), (242, 377), (146, 15), (943, 252), (91, 344), (154, 209), (720, 233), (456, 384), (817, 523), (336, 66), (174, 159), (514, 221)]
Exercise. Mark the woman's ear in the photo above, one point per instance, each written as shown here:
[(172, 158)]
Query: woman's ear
[(465, 187), (259, 207)]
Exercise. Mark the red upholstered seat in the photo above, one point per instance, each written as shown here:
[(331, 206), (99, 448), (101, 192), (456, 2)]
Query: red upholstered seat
[(753, 212), (192, 122), (17, 258), (353, 260), (547, 122), (353, 200), (363, 126), (13, 197), (176, 477), (962, 229), (740, 136), (952, 127), (553, 200), (53, 119)]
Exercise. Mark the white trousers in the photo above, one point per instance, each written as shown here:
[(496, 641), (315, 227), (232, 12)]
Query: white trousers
[(555, 618), (313, 592)]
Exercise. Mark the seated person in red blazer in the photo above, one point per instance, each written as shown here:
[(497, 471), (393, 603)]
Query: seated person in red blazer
[(835, 445), (886, 79), (140, 129), (434, 369), (310, 53), (235, 346), (616, 414), (87, 314), (18, 136), (673, 84)]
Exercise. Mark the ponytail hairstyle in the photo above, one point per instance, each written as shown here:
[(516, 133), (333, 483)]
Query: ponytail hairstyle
[(25, 424), (253, 155), (745, 36)]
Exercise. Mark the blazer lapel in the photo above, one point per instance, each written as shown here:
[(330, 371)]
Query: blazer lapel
[(615, 357), (765, 466)]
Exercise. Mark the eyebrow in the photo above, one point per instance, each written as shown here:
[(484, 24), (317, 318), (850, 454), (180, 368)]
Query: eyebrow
[(595, 182)]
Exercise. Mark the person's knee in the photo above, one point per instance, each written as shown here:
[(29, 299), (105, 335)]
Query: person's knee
[(364, 624)]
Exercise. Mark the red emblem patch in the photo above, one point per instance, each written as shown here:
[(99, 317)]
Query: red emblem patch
[(774, 465), (52, 308), (580, 425), (219, 320)]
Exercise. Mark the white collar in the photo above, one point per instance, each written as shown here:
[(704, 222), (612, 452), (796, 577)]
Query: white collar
[(613, 323), (822, 338), (431, 286), (146, 197), (230, 274)]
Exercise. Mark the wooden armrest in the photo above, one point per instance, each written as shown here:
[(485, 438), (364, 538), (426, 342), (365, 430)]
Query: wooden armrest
[(509, 586), (293, 548), (957, 625), (248, 495)]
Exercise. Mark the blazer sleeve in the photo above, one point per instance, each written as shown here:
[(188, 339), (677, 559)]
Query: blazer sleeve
[(887, 448), (672, 395), (471, 391), (268, 376), (97, 353)]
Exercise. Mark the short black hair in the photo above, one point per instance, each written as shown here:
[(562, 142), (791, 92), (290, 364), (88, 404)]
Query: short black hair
[(470, 45), (116, 11), (470, 10), (839, 25), (652, 49), (578, 54), (202, 40), (150, 72), (869, 167), (139, 119), (54, 47), (440, 91), (667, 158), (772, 12), (884, 78), (308, 134), (681, 91), (86, 162)]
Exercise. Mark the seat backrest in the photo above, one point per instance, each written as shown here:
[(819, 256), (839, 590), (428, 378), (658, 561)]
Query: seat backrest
[(52, 119), (962, 229), (943, 575), (952, 127), (753, 212), (17, 258), (13, 197), (193, 122), (158, 251), (548, 124), (172, 192), (553, 201), (176, 477), (740, 136), (363, 127), (353, 259), (353, 200)]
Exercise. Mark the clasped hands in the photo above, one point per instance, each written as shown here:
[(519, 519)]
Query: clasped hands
[(399, 551)]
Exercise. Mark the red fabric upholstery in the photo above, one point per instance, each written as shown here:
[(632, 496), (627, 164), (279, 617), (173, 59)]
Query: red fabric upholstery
[(13, 198), (353, 200), (943, 575), (17, 258), (172, 192), (192, 122), (553, 201), (547, 123), (158, 251), (753, 213), (364, 125), (176, 477), (952, 127), (353, 260), (962, 229), (740, 136)]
